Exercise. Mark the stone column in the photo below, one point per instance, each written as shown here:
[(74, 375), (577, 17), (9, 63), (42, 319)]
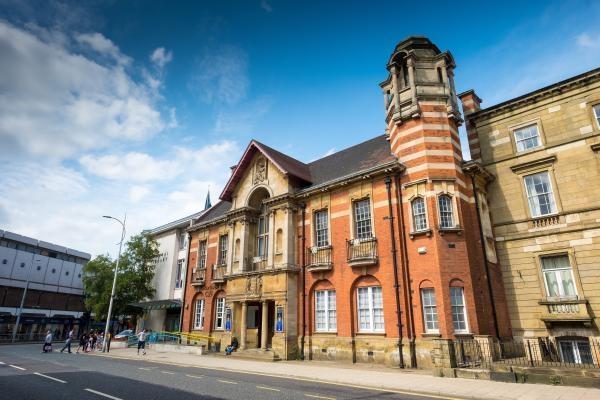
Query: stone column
[(244, 324), (265, 325)]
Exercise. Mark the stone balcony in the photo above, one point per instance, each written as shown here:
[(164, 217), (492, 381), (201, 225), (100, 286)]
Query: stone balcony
[(219, 271), (565, 310)]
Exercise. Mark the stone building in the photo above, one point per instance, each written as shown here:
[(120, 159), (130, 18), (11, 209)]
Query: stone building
[(367, 255), (542, 149)]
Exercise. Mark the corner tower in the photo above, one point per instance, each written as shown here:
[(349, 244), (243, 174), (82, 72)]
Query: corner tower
[(443, 255)]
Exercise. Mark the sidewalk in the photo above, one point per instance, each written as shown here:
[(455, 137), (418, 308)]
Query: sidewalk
[(415, 382)]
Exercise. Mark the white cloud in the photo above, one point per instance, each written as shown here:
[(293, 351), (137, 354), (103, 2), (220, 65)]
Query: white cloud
[(265, 5), (137, 193), (99, 43), (241, 119), (221, 76), (132, 167), (587, 41), (161, 57), (56, 103)]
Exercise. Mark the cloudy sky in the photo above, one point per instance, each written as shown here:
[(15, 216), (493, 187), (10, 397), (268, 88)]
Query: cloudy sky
[(109, 106)]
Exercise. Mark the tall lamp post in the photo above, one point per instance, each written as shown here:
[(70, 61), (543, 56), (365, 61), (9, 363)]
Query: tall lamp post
[(114, 285)]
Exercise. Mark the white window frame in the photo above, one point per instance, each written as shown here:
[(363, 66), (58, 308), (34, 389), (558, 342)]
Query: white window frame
[(557, 276), (459, 309), (202, 249), (199, 316), (355, 205), (538, 137), (179, 273), (370, 308), (430, 325), (441, 212), (535, 197), (329, 309), (223, 249), (596, 111), (262, 237), (423, 214), (220, 314), (321, 231)]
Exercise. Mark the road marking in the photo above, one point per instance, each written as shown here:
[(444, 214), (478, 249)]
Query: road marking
[(194, 376), (224, 381), (14, 366), (49, 377), (1, 363), (292, 378), (267, 388), (146, 369), (102, 394), (314, 396), (168, 372)]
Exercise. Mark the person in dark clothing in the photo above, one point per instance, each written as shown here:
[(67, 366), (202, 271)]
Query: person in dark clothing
[(82, 342), (232, 347)]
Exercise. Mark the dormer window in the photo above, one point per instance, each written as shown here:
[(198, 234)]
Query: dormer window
[(527, 137)]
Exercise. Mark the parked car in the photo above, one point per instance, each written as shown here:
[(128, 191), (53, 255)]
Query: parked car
[(124, 334)]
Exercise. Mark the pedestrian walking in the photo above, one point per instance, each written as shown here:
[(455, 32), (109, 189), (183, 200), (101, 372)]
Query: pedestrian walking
[(68, 342), (94, 338), (142, 342), (82, 342), (47, 342)]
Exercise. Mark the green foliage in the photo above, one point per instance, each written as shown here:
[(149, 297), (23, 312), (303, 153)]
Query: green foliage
[(134, 279)]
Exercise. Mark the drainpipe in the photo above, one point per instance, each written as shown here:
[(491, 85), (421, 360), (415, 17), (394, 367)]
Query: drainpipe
[(485, 259), (185, 280), (406, 277), (390, 218), (303, 286)]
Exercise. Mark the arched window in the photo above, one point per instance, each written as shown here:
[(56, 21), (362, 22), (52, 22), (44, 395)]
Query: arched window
[(418, 214), (262, 234), (446, 212), (430, 315)]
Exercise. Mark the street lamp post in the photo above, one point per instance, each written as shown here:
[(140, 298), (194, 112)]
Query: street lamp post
[(114, 285)]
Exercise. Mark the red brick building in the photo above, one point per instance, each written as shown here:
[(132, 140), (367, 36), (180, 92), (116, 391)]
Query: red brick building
[(376, 248)]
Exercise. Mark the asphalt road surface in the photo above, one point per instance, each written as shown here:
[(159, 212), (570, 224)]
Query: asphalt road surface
[(27, 373)]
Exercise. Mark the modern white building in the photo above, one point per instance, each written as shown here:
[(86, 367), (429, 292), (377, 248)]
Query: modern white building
[(163, 312), (52, 275)]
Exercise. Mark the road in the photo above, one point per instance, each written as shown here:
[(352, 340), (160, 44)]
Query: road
[(26, 373)]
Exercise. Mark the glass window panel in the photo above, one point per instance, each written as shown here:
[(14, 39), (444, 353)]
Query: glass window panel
[(429, 310), (527, 137), (321, 228), (362, 219), (446, 213), (418, 213), (223, 249), (558, 275), (597, 112), (539, 194), (459, 318), (202, 255)]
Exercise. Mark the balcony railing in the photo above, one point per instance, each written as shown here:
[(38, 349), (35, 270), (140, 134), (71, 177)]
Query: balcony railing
[(319, 258), (198, 276), (218, 274), (255, 264), (361, 252)]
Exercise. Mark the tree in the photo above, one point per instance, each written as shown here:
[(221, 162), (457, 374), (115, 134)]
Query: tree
[(134, 279)]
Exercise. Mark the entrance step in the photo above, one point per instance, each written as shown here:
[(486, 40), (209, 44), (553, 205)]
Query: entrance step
[(256, 354)]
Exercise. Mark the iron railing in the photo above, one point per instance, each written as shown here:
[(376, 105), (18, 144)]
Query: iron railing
[(199, 276), (362, 250), (319, 257), (539, 352)]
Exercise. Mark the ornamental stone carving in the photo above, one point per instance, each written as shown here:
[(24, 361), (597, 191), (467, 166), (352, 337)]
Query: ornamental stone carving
[(260, 171)]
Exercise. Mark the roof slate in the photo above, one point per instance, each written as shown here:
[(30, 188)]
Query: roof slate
[(360, 157)]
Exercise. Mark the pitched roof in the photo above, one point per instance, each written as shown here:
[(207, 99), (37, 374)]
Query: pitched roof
[(287, 165), (179, 223), (363, 156), (215, 212)]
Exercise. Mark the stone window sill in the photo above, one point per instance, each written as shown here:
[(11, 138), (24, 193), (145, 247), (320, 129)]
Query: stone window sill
[(426, 232)]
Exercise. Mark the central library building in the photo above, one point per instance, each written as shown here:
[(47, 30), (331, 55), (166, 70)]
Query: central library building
[(379, 251)]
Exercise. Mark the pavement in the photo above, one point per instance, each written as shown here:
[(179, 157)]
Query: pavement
[(25, 373)]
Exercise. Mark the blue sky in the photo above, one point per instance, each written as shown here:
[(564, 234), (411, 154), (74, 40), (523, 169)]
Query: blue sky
[(141, 105)]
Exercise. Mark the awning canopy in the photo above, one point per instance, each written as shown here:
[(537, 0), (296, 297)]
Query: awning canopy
[(158, 304)]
